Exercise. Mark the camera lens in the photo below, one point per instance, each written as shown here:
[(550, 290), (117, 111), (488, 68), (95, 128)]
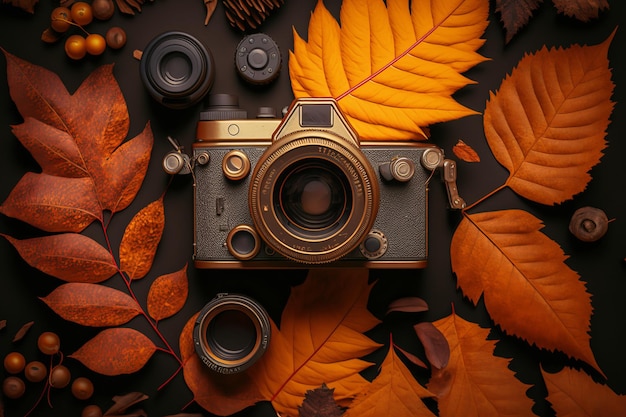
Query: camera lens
[(176, 69), (313, 196), (231, 333)]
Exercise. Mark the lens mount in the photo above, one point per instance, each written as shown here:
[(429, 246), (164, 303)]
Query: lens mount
[(176, 69), (231, 333), (313, 196)]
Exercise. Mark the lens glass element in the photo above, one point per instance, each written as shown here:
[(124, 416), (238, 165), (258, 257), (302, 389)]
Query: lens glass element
[(313, 198), (231, 335)]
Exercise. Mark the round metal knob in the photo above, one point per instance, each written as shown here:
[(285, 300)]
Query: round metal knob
[(375, 245), (236, 165), (243, 242)]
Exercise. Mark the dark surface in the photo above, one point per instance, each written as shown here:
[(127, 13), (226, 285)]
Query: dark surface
[(600, 264)]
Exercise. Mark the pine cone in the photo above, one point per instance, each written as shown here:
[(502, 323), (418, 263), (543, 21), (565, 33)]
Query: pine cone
[(249, 14)]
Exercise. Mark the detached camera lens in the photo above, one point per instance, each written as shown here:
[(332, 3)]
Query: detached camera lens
[(231, 333), (177, 70)]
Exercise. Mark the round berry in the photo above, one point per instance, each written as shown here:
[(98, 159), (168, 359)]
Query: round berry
[(13, 387), (116, 37), (60, 377), (91, 411), (81, 13), (35, 371), (95, 44), (60, 19), (82, 388), (75, 47), (48, 342), (14, 362)]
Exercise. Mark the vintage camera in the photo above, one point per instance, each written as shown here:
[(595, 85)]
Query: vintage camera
[(304, 192)]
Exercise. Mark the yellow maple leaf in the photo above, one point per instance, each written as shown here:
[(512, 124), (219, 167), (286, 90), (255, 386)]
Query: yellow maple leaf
[(546, 125), (393, 68), (574, 393), (394, 392), (475, 382), (528, 289)]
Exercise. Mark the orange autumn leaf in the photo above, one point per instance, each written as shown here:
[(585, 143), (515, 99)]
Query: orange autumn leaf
[(68, 256), (77, 136), (141, 239), (475, 382), (167, 294), (320, 341), (116, 351), (394, 392), (92, 304), (527, 287), (574, 393), (392, 66), (465, 152), (547, 123)]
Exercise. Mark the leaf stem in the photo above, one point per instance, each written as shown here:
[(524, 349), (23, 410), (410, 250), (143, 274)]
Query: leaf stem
[(485, 197), (128, 282)]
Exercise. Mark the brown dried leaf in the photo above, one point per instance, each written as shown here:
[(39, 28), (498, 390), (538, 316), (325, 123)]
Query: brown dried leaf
[(210, 9), (22, 331), (49, 35), (167, 294), (124, 402), (435, 344), (70, 257), (583, 10), (3, 324), (320, 402), (408, 305), (547, 123), (515, 14), (116, 351), (141, 238), (465, 152), (92, 304)]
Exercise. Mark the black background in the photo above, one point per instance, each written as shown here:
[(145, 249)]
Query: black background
[(600, 264)]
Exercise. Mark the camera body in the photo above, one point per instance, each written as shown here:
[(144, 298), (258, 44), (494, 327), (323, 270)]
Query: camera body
[(303, 191)]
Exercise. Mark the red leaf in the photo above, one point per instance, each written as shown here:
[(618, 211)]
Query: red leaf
[(53, 204), (70, 257), (435, 344), (122, 174), (408, 305), (168, 294), (54, 149), (116, 351), (140, 240), (92, 304)]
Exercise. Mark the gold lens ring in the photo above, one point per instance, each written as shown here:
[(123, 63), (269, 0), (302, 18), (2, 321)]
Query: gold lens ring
[(327, 147)]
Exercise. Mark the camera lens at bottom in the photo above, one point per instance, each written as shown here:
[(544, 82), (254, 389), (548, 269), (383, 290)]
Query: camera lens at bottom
[(231, 333)]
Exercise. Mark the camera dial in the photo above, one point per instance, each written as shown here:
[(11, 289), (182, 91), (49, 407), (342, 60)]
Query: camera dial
[(257, 59)]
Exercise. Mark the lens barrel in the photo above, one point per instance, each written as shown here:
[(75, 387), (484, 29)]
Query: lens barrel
[(177, 70), (231, 333)]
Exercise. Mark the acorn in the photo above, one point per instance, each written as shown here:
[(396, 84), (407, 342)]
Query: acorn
[(103, 9), (589, 224)]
